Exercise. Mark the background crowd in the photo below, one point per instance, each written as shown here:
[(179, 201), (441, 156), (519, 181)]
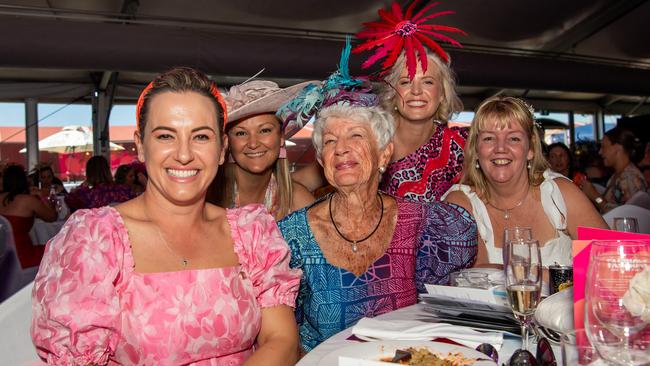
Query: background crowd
[(220, 253)]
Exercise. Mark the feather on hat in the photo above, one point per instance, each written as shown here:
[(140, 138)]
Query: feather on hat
[(404, 31)]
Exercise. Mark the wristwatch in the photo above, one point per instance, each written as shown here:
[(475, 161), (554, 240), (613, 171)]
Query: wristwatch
[(599, 200)]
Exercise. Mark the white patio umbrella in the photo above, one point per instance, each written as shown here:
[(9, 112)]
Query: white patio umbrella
[(69, 140)]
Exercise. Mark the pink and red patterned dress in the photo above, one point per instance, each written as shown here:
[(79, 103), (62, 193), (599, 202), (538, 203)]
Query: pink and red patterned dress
[(91, 307), (428, 172)]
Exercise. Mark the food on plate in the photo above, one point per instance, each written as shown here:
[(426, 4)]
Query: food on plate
[(423, 357)]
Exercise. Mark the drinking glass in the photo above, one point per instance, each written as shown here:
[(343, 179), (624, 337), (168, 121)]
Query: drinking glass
[(523, 269), (626, 224), (577, 350), (515, 233), (620, 336)]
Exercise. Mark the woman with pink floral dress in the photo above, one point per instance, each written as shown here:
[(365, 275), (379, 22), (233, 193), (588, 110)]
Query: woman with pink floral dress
[(167, 279)]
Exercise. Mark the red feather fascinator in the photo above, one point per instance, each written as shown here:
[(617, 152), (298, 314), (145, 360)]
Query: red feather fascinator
[(399, 31)]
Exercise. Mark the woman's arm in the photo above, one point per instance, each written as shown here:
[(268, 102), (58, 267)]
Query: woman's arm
[(580, 211), (301, 197), (278, 339), (310, 176), (42, 210)]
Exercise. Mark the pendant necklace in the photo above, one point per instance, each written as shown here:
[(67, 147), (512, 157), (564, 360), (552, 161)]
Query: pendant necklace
[(506, 211), (355, 242), (184, 261)]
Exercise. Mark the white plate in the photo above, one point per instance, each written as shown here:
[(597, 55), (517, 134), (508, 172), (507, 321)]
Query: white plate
[(374, 351)]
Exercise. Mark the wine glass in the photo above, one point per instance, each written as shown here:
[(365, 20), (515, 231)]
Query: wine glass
[(515, 233), (523, 269), (626, 224), (614, 327)]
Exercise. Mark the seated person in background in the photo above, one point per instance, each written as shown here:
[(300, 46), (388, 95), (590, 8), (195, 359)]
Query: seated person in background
[(126, 175), (166, 278), (20, 207), (620, 150), (98, 189), (506, 183), (560, 160), (644, 165), (47, 180), (363, 252)]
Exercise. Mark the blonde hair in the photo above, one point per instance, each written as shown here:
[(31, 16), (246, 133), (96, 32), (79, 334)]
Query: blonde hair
[(450, 103), (502, 111), (222, 189)]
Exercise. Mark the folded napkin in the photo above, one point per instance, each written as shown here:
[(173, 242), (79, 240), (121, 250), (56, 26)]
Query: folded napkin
[(556, 311), (415, 330)]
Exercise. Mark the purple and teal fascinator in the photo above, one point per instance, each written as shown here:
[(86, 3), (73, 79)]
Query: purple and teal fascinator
[(339, 89)]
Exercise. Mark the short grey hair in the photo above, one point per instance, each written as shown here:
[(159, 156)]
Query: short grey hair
[(381, 122)]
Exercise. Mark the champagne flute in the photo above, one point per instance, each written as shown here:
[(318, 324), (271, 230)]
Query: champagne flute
[(626, 224), (523, 269), (515, 233), (618, 333)]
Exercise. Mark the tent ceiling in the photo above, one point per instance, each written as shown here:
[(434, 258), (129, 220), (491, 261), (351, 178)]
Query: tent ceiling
[(589, 54)]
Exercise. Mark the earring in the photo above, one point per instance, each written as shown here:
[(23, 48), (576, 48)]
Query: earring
[(395, 108), (478, 166), (230, 158), (528, 166), (382, 169), (283, 153)]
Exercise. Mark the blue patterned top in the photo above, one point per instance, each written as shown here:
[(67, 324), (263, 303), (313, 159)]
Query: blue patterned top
[(430, 241)]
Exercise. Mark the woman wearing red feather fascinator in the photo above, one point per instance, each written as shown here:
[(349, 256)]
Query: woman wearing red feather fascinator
[(419, 88)]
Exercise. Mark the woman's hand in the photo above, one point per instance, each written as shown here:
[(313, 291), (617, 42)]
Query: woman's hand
[(278, 338), (589, 190)]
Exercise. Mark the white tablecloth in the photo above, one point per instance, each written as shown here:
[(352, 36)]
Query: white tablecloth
[(414, 312), (16, 346), (43, 231)]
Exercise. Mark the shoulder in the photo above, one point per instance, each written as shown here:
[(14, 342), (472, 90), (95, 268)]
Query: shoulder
[(463, 132), (301, 196), (459, 194), (567, 188), (96, 235), (293, 221)]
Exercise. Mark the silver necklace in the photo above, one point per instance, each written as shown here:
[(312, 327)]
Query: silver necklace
[(184, 261), (506, 211)]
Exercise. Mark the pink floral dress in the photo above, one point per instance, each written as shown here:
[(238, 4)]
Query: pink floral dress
[(91, 307)]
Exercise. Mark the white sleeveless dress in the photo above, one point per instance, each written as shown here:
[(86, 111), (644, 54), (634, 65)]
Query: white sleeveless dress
[(556, 250)]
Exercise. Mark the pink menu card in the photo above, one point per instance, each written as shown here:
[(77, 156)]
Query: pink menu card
[(581, 252)]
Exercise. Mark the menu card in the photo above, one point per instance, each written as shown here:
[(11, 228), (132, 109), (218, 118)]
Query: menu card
[(581, 253)]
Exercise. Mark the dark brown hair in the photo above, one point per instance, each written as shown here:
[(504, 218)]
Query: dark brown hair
[(179, 79)]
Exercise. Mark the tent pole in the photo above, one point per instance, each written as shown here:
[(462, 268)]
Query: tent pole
[(31, 133)]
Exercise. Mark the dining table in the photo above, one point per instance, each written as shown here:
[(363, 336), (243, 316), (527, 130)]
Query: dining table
[(414, 312), (42, 231)]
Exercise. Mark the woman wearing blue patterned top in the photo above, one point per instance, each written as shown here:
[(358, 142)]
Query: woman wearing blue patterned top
[(362, 252)]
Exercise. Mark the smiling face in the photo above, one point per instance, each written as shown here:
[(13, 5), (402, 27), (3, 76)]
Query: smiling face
[(255, 143), (181, 146), (420, 97), (503, 153), (559, 160), (350, 156)]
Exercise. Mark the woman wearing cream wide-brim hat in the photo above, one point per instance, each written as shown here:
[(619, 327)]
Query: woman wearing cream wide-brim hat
[(258, 170)]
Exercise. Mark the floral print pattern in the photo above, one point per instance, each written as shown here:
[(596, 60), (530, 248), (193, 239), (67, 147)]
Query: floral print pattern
[(91, 307)]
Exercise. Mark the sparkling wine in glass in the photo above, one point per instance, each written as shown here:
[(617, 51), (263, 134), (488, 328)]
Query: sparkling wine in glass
[(619, 334), (523, 269)]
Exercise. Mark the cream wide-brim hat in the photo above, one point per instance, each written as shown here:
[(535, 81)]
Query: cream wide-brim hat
[(266, 99)]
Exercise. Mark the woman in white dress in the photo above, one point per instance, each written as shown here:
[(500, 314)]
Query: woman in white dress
[(506, 183)]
